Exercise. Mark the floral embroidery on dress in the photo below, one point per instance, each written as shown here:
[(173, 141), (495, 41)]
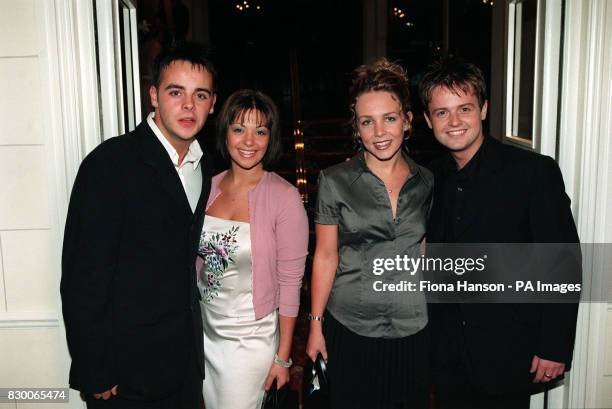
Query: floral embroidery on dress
[(217, 250)]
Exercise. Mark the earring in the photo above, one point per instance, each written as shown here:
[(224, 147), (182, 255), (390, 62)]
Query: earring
[(408, 131)]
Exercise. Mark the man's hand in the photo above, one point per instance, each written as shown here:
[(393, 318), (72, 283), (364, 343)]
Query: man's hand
[(545, 370), (106, 394)]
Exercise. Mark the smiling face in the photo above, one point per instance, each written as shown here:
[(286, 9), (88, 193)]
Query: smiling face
[(182, 102), (247, 140), (381, 124), (456, 120)]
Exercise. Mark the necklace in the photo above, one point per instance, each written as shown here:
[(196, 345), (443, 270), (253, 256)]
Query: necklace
[(389, 190)]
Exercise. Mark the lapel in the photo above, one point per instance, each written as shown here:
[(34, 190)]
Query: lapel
[(482, 185), (197, 221), (206, 168), (198, 216), (155, 156)]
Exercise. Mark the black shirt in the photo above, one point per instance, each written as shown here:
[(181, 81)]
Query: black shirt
[(456, 191)]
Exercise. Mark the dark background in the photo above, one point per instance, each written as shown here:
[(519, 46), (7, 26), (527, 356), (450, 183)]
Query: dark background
[(302, 53)]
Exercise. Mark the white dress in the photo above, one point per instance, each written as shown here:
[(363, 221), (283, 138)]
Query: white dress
[(238, 349)]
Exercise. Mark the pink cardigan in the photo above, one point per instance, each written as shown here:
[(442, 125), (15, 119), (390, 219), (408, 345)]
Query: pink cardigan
[(279, 243)]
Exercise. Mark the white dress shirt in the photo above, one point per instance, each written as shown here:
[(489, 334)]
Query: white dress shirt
[(189, 170)]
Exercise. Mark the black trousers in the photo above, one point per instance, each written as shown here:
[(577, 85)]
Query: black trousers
[(188, 396), (453, 390), (469, 399)]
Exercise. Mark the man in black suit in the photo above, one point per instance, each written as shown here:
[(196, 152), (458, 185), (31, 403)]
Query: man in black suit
[(492, 355), (129, 295)]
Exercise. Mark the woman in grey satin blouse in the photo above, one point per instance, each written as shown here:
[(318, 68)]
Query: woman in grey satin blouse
[(370, 218)]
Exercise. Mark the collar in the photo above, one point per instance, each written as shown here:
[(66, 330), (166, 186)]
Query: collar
[(473, 164), (194, 154), (357, 166), (488, 158)]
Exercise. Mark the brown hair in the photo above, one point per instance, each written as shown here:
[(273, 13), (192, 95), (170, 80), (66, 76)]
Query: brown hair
[(236, 106), (380, 75), (190, 51), (455, 75)]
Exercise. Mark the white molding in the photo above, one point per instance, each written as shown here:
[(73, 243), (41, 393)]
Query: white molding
[(570, 144), (548, 82), (60, 170), (572, 95), (88, 75), (514, 41), (584, 158), (66, 48), (119, 81), (538, 70), (108, 77), (510, 42), (70, 34), (27, 320), (61, 12), (112, 79), (135, 65)]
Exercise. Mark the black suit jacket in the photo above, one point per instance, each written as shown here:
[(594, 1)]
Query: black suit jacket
[(516, 196), (129, 294)]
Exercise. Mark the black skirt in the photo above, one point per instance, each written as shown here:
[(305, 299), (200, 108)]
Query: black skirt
[(373, 373)]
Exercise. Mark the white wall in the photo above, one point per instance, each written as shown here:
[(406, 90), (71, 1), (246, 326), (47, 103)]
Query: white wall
[(585, 157), (32, 351), (48, 121)]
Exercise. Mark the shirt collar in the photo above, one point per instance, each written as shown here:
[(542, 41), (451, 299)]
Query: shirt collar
[(357, 166), (194, 154), (470, 168)]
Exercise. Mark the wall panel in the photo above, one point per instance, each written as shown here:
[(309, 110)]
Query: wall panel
[(24, 198), (17, 23), (29, 276), (20, 103)]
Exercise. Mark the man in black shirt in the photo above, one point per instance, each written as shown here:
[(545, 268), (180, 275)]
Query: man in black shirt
[(491, 355)]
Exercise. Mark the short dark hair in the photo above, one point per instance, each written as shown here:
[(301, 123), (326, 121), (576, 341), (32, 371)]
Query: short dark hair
[(236, 106), (456, 75), (190, 51), (380, 75)]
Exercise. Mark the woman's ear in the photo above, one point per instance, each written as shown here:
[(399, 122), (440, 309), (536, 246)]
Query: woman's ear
[(407, 120)]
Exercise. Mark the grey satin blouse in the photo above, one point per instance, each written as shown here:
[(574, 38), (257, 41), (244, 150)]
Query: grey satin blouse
[(352, 197)]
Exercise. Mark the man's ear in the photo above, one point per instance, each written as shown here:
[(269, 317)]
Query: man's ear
[(153, 95), (427, 120), (212, 107), (483, 110)]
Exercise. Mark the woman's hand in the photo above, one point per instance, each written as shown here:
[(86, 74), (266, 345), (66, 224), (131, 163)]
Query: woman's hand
[(316, 342), (280, 374)]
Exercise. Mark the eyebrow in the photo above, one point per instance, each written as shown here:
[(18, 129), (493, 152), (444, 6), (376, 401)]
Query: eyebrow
[(262, 125), (385, 114), (176, 86), (470, 104)]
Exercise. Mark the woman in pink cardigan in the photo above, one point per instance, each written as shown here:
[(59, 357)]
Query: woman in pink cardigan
[(254, 245)]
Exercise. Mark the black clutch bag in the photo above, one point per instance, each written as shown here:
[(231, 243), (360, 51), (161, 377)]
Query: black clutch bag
[(316, 384), (281, 398)]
